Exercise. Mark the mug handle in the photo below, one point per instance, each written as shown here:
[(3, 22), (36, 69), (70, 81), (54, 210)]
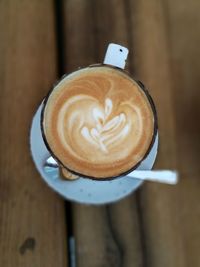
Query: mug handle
[(116, 55)]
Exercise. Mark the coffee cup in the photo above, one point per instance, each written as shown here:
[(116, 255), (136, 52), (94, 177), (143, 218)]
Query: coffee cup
[(98, 122)]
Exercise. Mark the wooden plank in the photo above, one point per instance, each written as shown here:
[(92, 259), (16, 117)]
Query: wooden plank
[(32, 224), (106, 235), (184, 43), (170, 215), (162, 236), (184, 25)]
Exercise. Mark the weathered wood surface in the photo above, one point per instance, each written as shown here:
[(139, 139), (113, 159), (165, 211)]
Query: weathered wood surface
[(32, 217), (183, 28), (157, 226)]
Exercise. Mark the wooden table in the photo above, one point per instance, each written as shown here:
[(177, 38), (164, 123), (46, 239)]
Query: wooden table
[(159, 226)]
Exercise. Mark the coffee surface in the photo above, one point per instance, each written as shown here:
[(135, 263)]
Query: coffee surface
[(98, 122)]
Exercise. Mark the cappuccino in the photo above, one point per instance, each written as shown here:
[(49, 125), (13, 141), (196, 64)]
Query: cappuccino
[(98, 122)]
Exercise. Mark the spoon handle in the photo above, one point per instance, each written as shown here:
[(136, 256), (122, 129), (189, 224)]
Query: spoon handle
[(161, 176)]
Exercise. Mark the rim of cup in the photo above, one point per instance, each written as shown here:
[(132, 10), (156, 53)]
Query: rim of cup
[(141, 86)]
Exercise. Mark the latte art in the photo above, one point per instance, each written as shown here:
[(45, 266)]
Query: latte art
[(98, 122), (107, 130)]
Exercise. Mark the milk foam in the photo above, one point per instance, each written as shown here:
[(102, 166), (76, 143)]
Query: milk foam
[(100, 126), (106, 131)]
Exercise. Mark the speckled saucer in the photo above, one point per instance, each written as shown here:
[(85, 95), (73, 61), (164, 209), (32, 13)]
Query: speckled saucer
[(82, 190)]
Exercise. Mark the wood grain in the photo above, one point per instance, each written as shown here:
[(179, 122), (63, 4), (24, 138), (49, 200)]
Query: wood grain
[(32, 224), (183, 28), (106, 235), (183, 25), (169, 215), (163, 242)]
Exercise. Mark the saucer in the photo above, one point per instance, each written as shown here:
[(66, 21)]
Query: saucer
[(83, 190)]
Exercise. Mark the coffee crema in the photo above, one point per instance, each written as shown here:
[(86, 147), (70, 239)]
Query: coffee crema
[(98, 122)]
